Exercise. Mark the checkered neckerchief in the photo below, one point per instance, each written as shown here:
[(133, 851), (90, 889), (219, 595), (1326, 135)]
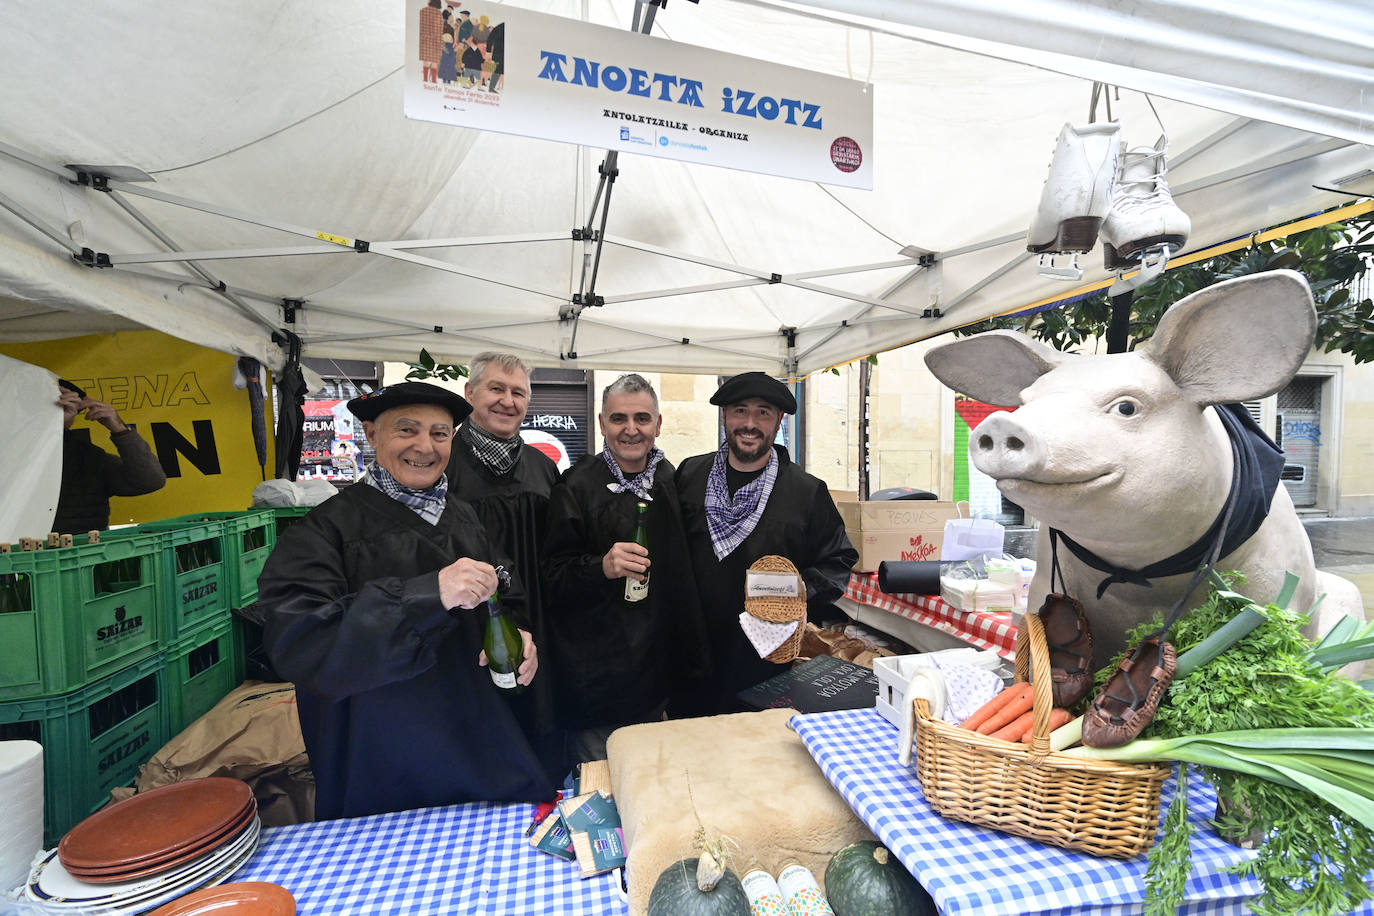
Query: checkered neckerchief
[(428, 504), (731, 519), (641, 483), (499, 455)]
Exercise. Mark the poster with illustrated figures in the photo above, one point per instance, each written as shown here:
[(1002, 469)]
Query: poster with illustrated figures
[(490, 66)]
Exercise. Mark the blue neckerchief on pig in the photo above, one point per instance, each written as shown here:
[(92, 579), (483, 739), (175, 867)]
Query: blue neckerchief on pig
[(1258, 462)]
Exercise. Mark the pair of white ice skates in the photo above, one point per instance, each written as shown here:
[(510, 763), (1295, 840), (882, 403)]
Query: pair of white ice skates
[(1097, 187)]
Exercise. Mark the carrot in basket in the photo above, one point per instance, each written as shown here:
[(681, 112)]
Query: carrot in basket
[(1012, 730), (1058, 716), (984, 712), (1015, 709)]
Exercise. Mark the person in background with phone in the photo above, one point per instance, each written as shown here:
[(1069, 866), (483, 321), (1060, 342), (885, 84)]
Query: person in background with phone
[(91, 475)]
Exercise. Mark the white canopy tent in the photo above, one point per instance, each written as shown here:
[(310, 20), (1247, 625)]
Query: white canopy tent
[(265, 122)]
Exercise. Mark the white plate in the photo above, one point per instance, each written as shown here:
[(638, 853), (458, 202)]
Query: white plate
[(168, 894), (50, 884)]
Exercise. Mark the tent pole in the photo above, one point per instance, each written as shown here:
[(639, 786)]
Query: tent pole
[(865, 380), (1119, 326), (38, 224), (210, 278), (609, 170)]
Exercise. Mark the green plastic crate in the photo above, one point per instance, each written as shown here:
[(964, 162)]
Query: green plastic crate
[(72, 615), (289, 515), (254, 534), (94, 739), (196, 577), (246, 539), (201, 668)]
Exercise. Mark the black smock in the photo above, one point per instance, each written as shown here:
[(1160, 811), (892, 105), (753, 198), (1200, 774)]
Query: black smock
[(512, 508), (799, 522), (618, 663), (395, 710)]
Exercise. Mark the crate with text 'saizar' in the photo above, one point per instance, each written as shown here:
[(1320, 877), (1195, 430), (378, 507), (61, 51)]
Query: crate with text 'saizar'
[(72, 615)]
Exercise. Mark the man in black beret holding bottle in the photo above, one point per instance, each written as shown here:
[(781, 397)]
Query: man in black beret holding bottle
[(745, 501), (368, 603)]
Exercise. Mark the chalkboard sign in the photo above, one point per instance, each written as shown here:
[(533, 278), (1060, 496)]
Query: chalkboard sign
[(823, 684)]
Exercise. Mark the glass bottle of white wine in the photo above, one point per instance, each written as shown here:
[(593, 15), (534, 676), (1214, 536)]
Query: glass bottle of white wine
[(502, 641)]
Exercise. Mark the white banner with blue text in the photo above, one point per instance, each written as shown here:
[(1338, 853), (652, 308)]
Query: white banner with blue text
[(494, 67)]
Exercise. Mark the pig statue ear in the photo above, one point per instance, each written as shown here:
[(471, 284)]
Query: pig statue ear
[(1237, 340), (993, 367)]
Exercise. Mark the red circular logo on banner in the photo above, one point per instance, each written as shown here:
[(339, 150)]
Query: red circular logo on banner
[(846, 155)]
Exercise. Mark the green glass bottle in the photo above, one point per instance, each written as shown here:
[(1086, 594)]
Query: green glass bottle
[(502, 641), (636, 591)]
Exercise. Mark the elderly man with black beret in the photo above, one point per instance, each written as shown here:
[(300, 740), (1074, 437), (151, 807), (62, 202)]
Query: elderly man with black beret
[(746, 501), (369, 604)]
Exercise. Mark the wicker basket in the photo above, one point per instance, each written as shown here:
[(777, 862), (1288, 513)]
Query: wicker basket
[(780, 610), (1094, 806)]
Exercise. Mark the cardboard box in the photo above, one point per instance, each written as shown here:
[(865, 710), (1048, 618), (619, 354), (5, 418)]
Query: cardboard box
[(898, 529)]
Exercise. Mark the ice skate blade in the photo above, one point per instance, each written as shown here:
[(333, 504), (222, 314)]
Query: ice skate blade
[(1053, 268), (1153, 263)]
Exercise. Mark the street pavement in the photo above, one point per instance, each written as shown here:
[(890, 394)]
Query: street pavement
[(1345, 547)]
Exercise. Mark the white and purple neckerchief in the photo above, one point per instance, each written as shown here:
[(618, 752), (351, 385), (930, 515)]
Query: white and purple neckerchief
[(731, 519), (428, 504), (641, 483)]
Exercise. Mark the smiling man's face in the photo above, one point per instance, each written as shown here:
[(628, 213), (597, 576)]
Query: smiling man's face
[(499, 399), (412, 443), (750, 428)]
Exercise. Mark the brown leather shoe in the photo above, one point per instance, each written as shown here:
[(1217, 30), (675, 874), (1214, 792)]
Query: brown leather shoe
[(1131, 696), (1071, 648)]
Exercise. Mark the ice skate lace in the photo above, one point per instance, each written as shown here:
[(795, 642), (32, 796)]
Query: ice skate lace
[(1136, 190)]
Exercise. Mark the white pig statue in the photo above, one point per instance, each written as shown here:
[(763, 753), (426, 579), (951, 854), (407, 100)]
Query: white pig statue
[(1125, 455)]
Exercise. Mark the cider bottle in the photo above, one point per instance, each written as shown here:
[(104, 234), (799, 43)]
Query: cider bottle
[(635, 590)]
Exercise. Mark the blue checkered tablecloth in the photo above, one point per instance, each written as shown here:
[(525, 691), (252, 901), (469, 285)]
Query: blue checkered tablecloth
[(969, 869), (468, 859)]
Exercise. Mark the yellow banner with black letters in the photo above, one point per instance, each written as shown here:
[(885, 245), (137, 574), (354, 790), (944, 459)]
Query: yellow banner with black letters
[(182, 400)]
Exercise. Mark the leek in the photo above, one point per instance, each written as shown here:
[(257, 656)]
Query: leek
[(1293, 757), (1287, 743)]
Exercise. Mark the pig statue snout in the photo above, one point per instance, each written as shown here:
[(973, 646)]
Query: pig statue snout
[(1002, 448)]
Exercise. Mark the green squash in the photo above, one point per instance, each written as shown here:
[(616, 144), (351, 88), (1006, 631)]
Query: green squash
[(676, 894), (864, 879)]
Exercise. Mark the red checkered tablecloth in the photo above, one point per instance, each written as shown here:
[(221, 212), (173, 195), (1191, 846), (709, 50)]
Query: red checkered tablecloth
[(984, 630)]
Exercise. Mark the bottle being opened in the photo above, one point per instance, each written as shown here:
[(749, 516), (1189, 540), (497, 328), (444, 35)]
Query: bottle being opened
[(802, 893), (502, 641), (635, 590)]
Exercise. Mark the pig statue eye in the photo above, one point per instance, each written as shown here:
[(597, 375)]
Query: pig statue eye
[(1125, 408)]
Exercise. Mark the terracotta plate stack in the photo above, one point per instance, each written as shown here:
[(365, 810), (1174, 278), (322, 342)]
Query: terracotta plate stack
[(142, 852)]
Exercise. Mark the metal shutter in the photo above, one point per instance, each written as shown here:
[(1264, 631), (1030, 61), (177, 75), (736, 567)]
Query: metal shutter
[(563, 410), (1300, 437)]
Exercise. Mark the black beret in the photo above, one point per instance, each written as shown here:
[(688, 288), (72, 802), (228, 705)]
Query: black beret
[(370, 406), (755, 385)]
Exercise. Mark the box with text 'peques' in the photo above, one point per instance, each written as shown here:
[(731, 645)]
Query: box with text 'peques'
[(898, 529)]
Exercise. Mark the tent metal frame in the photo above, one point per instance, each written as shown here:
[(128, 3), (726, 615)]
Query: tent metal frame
[(275, 314)]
